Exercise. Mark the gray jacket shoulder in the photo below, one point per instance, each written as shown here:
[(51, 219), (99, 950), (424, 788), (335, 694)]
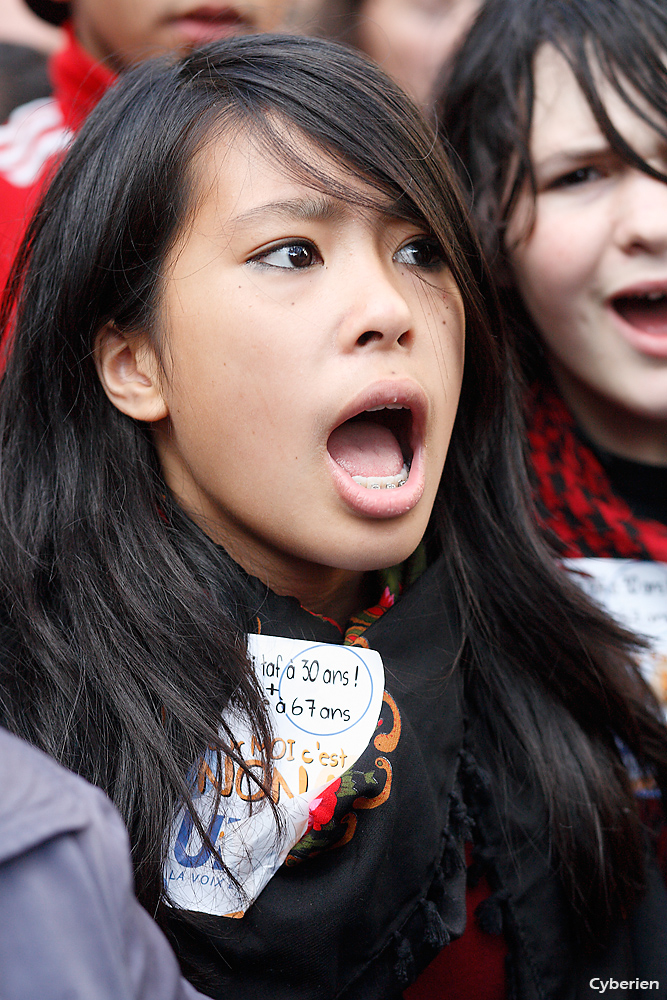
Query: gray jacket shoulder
[(70, 926)]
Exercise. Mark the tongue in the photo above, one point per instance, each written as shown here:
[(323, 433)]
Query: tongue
[(366, 449), (644, 315)]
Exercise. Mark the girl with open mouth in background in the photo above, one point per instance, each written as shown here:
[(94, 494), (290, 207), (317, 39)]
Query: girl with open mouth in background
[(558, 112)]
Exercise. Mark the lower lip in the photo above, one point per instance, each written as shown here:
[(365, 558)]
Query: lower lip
[(654, 345), (199, 32), (382, 503)]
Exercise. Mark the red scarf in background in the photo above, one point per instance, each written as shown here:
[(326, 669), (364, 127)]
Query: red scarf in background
[(573, 494)]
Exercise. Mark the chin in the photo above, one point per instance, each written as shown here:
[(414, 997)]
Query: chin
[(368, 557), (648, 404)]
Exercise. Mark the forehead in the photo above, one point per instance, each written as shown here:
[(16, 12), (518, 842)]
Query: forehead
[(562, 116), (241, 182)]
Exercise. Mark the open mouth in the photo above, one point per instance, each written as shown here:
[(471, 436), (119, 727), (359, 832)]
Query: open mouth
[(374, 447), (645, 311), (377, 452)]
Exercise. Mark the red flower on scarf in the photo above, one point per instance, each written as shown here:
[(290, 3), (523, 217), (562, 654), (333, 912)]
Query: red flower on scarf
[(322, 807), (388, 599)]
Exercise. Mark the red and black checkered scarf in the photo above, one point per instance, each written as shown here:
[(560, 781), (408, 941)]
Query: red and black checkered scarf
[(573, 494)]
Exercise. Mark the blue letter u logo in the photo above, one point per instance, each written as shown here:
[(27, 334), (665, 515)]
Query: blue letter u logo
[(181, 845)]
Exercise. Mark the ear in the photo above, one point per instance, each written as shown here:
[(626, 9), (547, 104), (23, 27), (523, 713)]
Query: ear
[(129, 372)]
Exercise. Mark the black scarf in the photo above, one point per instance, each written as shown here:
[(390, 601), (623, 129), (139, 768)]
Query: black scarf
[(363, 916)]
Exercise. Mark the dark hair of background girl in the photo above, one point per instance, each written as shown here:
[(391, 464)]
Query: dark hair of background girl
[(126, 622), (486, 108)]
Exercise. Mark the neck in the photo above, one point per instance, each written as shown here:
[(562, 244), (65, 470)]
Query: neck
[(612, 427), (326, 590), (339, 596), (334, 593)]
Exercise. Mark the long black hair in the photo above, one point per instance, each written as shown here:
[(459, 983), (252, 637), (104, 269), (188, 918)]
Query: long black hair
[(125, 622)]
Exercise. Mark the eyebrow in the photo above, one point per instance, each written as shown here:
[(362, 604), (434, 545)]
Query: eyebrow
[(316, 209), (567, 158), (580, 150)]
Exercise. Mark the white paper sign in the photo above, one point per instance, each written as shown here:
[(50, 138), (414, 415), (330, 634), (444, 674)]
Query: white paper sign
[(324, 704), (635, 593)]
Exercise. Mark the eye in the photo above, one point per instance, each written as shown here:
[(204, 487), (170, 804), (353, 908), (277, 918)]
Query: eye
[(292, 256), (423, 252), (582, 175)]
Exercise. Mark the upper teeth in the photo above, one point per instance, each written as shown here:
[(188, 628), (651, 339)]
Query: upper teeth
[(385, 406), (654, 296)]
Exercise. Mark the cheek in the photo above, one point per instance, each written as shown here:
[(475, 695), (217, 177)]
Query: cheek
[(270, 15), (553, 269), (128, 19), (452, 346), (234, 389), (234, 433), (454, 25), (444, 345), (390, 32)]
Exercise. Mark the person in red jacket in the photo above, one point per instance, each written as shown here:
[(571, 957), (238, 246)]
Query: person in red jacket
[(104, 37)]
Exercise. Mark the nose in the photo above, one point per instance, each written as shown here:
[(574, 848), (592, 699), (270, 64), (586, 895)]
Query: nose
[(375, 309), (641, 226)]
